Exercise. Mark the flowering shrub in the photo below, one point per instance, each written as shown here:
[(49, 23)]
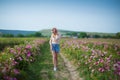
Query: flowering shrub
[(4, 42), (117, 68), (96, 60), (15, 60)]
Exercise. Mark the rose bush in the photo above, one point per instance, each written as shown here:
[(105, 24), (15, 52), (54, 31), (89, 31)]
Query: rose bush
[(13, 61), (96, 59)]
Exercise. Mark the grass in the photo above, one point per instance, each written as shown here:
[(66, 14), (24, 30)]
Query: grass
[(42, 68)]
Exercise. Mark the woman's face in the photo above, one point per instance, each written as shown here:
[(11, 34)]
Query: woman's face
[(54, 31)]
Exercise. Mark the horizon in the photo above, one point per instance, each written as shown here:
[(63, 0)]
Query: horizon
[(72, 15), (60, 30)]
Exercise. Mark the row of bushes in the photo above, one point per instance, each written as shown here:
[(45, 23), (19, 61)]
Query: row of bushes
[(95, 60), (14, 61), (10, 42)]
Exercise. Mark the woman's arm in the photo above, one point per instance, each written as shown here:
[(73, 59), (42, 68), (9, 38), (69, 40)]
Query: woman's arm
[(50, 42)]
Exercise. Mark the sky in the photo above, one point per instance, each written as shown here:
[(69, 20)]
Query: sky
[(75, 15)]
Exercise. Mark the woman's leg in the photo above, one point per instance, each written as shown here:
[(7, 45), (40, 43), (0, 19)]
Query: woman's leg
[(54, 59)]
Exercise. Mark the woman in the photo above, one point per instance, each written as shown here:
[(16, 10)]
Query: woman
[(54, 46)]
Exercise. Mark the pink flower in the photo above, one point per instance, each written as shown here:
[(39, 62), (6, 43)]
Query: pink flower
[(96, 63), (89, 60), (101, 60), (16, 71), (28, 46), (118, 62), (101, 69), (18, 48), (9, 78), (108, 60), (117, 68), (6, 77), (14, 62), (118, 52), (12, 79), (12, 51), (28, 54), (107, 68), (20, 58)]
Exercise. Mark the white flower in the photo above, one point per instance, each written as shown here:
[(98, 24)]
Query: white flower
[(10, 58), (92, 70)]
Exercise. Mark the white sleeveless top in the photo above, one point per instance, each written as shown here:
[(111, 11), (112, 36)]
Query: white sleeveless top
[(55, 39)]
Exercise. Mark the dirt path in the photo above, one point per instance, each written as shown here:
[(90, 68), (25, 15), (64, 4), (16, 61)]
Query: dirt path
[(66, 71), (62, 72), (73, 73), (42, 69)]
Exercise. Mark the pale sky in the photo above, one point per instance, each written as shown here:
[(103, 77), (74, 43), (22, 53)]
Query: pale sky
[(76, 15)]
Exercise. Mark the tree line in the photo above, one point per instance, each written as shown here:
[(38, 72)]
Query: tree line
[(85, 35), (36, 34), (70, 34)]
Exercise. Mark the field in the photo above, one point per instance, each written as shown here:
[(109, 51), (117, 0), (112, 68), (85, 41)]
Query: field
[(31, 59), (96, 59), (16, 54)]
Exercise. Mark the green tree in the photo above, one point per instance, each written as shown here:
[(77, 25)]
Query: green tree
[(118, 35), (20, 35), (82, 35), (7, 35), (107, 36), (0, 34), (30, 35), (68, 33), (97, 36), (74, 33), (37, 34)]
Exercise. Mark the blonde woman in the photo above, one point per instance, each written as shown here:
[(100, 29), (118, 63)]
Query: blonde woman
[(54, 46)]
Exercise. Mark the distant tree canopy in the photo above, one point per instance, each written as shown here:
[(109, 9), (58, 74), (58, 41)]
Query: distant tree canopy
[(0, 34), (74, 33), (7, 35), (97, 36), (118, 35), (20, 35), (82, 35), (37, 34), (108, 36), (85, 35), (68, 33), (30, 35)]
